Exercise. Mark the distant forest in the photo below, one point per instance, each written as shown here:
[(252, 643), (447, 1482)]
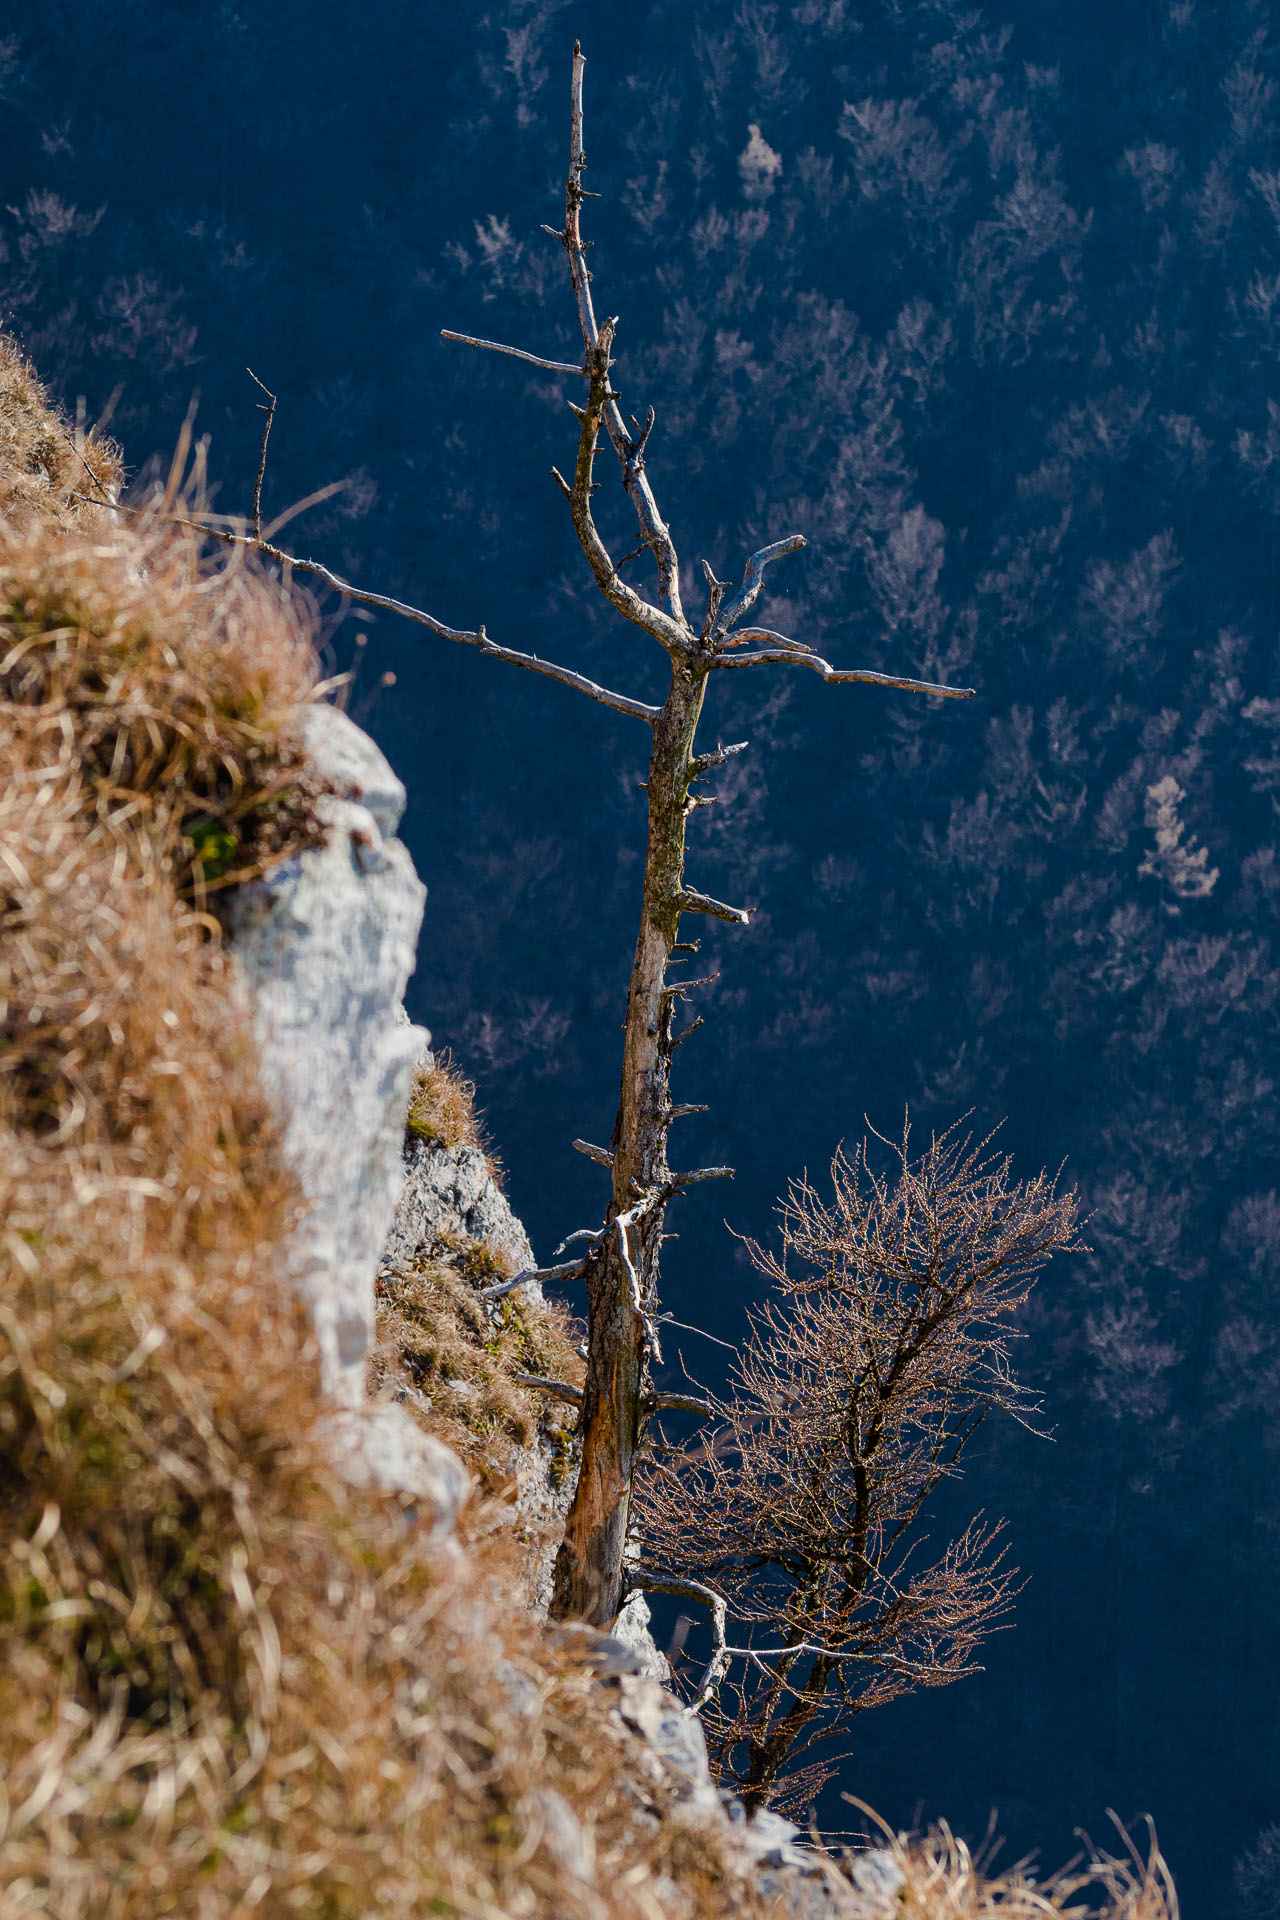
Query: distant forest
[(987, 305)]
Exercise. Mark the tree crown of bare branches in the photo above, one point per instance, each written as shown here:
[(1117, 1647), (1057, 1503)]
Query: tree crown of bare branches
[(860, 1386)]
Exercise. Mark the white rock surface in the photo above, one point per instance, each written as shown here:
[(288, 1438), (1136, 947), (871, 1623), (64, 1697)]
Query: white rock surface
[(325, 945), (381, 1447), (673, 1737), (632, 1627)]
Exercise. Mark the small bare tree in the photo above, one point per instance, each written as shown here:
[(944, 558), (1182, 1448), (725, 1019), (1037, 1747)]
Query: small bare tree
[(620, 1263), (857, 1392)]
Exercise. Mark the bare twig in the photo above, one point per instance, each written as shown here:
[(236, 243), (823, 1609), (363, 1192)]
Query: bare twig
[(677, 988), (669, 1320), (742, 635), (834, 676), (517, 353), (594, 1235), (716, 757), (385, 603), (601, 1155), (717, 1607), (691, 901), (752, 580), (664, 1402), (559, 1389), (270, 411), (653, 527), (571, 1270)]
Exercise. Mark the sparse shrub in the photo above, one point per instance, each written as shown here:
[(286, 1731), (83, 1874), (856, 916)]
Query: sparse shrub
[(1257, 1877), (860, 1386)]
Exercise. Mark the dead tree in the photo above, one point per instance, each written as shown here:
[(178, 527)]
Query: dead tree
[(621, 1261), (857, 1392)]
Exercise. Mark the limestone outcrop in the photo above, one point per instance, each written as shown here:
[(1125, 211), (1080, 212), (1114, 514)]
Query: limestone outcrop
[(325, 944), (450, 1191)]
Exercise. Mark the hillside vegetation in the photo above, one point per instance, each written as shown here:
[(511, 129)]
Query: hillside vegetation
[(229, 1684)]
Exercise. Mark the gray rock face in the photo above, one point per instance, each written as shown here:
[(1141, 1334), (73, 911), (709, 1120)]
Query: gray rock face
[(380, 1447), (632, 1628), (325, 944), (801, 1884), (450, 1190), (672, 1736)]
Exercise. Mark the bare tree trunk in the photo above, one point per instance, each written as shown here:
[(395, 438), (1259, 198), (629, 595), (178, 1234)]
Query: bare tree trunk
[(623, 1271)]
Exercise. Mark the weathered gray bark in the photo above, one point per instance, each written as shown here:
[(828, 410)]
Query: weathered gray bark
[(622, 1272)]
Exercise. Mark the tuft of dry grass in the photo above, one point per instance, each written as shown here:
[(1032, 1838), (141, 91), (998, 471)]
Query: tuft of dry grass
[(442, 1107), (43, 462), (167, 691), (455, 1360), (936, 1874), (442, 1112)]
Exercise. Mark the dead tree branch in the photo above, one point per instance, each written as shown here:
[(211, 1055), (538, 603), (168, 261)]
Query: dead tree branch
[(752, 580), (664, 1402), (558, 1389), (601, 1155), (691, 901), (790, 655), (517, 353), (360, 596), (717, 1609), (571, 1270), (653, 527)]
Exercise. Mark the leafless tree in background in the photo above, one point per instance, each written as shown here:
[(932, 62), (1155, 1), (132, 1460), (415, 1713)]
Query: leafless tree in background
[(863, 1380)]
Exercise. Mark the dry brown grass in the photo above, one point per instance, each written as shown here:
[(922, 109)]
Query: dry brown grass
[(43, 463), (167, 691), (442, 1112), (226, 1684), (940, 1876), (461, 1357), (442, 1107)]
